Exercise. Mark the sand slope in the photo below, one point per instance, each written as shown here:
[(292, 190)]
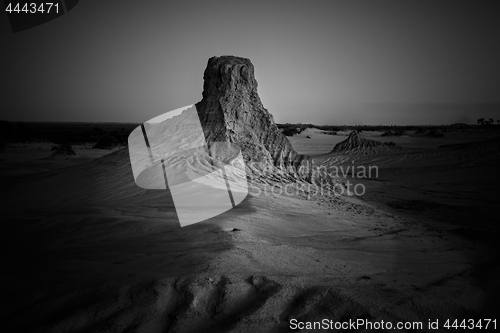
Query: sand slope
[(86, 250)]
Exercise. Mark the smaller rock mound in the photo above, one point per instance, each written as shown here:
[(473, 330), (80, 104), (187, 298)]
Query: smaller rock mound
[(356, 145), (428, 133), (62, 151), (393, 133)]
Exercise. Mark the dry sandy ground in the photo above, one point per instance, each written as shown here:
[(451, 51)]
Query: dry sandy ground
[(85, 250)]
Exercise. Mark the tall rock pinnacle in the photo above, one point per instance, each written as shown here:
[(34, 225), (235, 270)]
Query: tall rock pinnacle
[(231, 111)]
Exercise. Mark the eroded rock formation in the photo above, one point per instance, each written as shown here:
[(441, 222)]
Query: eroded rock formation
[(231, 111), (356, 145)]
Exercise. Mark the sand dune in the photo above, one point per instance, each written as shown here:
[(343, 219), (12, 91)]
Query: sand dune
[(86, 250)]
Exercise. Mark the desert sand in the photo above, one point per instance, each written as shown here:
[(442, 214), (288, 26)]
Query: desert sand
[(86, 250)]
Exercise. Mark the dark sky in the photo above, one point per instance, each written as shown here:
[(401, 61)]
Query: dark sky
[(322, 62)]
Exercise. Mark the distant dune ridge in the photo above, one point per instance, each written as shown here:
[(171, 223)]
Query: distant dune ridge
[(231, 111)]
